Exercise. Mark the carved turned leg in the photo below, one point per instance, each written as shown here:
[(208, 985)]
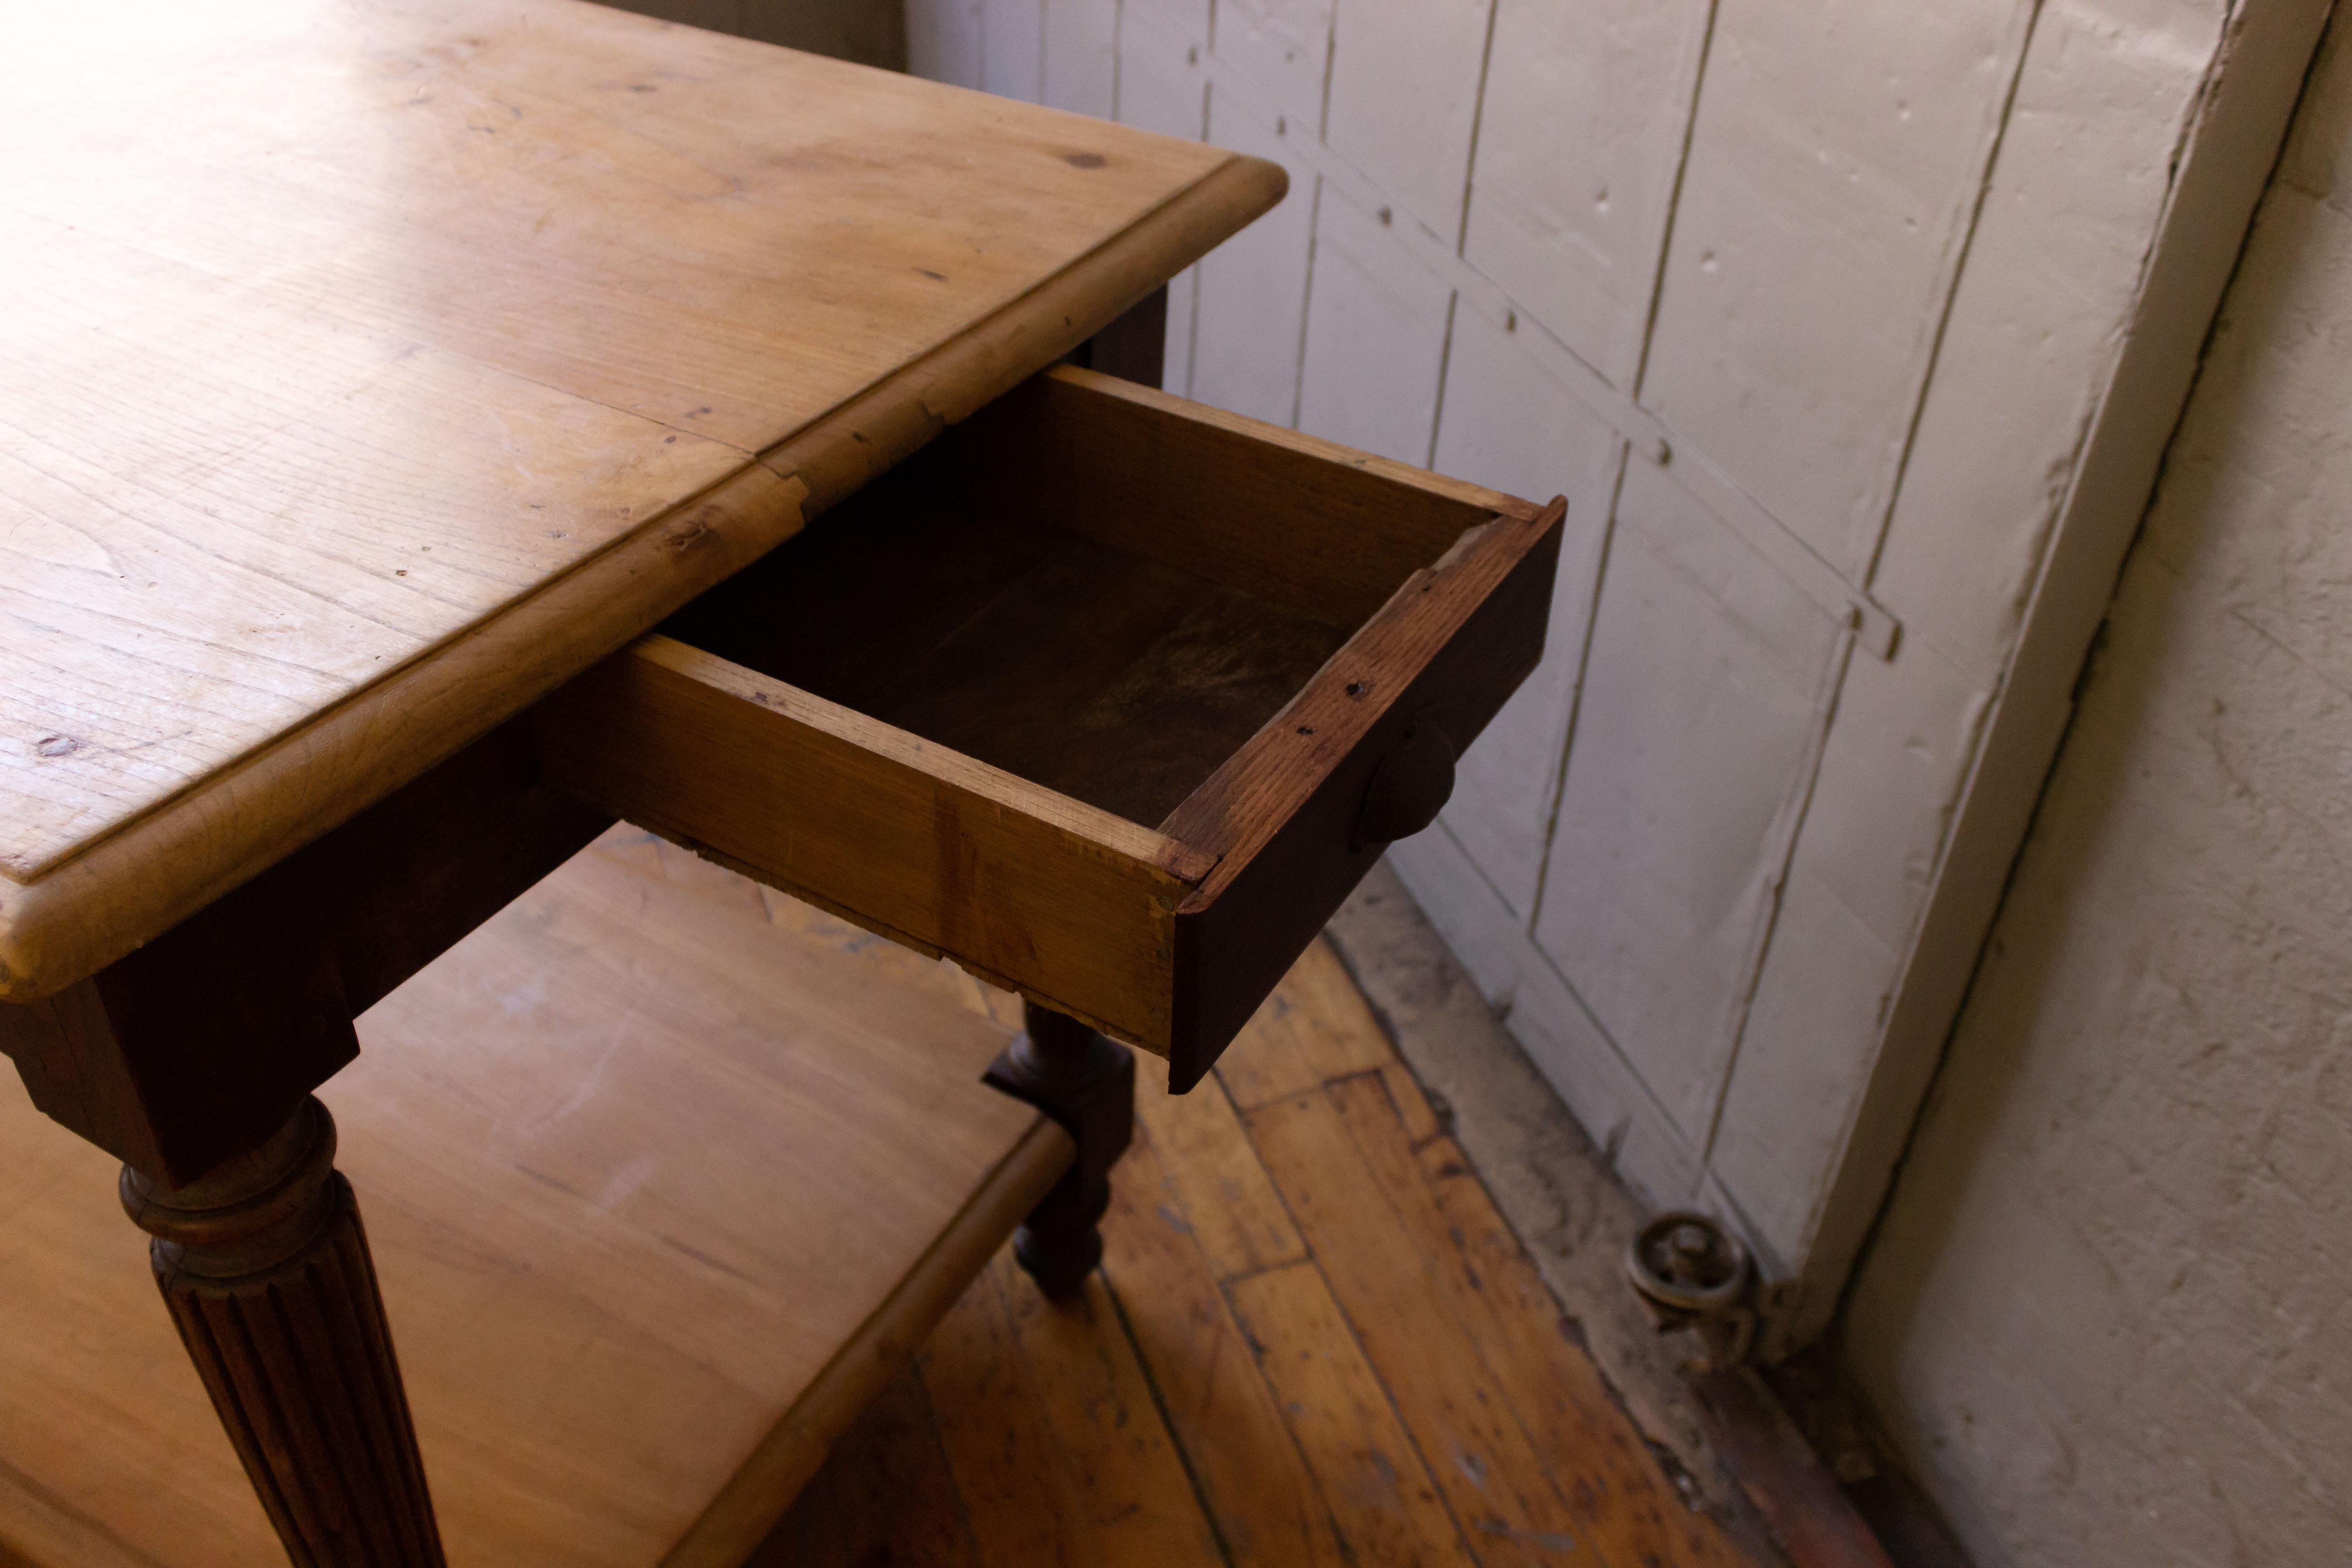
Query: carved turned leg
[(1086, 1083), (266, 1271)]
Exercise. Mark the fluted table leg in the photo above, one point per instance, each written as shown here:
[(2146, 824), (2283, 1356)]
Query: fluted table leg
[(265, 1267)]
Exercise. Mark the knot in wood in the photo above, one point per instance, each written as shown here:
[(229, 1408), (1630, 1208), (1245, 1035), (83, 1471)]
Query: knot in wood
[(692, 532)]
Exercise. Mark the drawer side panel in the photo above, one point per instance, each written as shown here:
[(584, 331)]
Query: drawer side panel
[(1030, 889)]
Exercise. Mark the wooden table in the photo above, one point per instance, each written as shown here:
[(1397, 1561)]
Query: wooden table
[(376, 377)]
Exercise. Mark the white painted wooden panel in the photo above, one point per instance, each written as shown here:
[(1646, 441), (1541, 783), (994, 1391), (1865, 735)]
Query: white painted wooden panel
[(1165, 37), (1509, 425), (1812, 1012), (1694, 736), (1405, 78), (1487, 935), (1834, 169), (1892, 769), (1545, 1017), (1013, 49), (2136, 134), (1375, 343), (1253, 294), (944, 40), (1616, 1101), (1585, 107), (1081, 56), (1281, 48), (1505, 423), (2033, 332)]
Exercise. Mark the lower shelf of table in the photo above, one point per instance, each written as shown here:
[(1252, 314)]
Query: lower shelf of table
[(663, 1175)]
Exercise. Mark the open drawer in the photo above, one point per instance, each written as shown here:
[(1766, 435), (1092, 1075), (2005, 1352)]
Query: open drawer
[(1109, 696)]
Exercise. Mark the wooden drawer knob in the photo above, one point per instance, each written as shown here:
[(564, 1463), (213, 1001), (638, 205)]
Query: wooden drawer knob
[(1410, 787)]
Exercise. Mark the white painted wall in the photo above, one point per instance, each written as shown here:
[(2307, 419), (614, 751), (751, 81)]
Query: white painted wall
[(2109, 1310), (1851, 330)]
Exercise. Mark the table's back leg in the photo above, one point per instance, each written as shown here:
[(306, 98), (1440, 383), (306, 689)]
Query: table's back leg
[(264, 1266), (1133, 346), (1066, 1069), (1088, 1084)]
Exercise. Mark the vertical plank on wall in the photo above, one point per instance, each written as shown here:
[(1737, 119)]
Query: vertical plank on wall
[(944, 40), (1253, 294), (1834, 167), (1282, 48), (1507, 423), (1404, 95), (1857, 882), (1582, 133), (2034, 330), (1375, 337), (1165, 36), (1081, 56), (1694, 732), (1013, 49)]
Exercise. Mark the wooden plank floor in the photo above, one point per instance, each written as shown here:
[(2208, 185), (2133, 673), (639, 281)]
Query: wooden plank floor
[(1313, 1340)]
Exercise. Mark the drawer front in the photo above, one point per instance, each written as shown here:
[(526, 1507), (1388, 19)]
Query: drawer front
[(1406, 701), (1108, 696)]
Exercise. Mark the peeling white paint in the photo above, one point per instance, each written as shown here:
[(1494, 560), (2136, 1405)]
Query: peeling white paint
[(2109, 1312), (1834, 167)]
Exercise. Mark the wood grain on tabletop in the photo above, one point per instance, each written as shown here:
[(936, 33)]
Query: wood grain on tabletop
[(1340, 1341), (347, 339), (595, 1147)]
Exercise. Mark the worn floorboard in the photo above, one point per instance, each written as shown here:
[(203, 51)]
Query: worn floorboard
[(1313, 1340)]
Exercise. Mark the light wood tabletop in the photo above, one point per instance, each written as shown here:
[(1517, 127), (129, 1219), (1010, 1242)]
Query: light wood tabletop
[(368, 370)]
